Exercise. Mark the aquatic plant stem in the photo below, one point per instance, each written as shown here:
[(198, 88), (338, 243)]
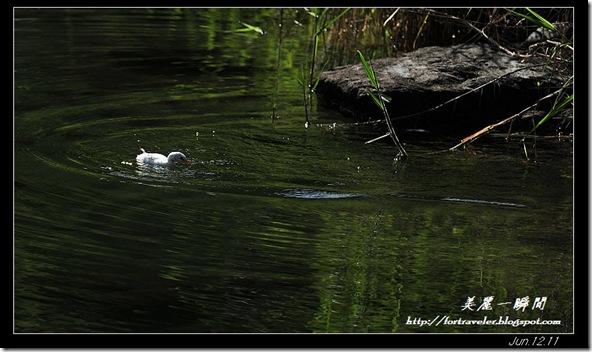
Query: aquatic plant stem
[(389, 123), (379, 100), (314, 44), (278, 66)]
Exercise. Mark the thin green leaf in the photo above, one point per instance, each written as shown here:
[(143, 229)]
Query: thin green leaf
[(553, 112), (311, 12), (330, 23), (542, 20), (369, 70), (250, 29), (375, 99), (538, 19), (525, 151), (316, 83), (425, 20), (324, 12), (531, 19)]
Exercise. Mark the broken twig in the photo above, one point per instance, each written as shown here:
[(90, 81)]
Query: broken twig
[(486, 129)]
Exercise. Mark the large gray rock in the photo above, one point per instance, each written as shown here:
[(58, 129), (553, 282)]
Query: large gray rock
[(425, 78)]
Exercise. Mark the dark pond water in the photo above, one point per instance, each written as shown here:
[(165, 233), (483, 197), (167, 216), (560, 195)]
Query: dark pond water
[(272, 227)]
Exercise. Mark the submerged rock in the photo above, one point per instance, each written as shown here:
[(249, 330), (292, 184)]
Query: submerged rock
[(423, 79)]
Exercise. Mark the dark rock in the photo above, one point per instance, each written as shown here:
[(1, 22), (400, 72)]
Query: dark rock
[(423, 79)]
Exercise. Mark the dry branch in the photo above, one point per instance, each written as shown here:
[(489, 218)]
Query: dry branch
[(479, 133)]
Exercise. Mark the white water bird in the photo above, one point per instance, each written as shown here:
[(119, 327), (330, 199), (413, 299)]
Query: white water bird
[(161, 160)]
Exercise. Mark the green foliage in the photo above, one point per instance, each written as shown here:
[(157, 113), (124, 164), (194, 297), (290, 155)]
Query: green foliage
[(369, 71), (423, 23), (312, 77), (372, 77), (250, 28), (541, 20), (556, 109), (379, 100), (535, 18), (330, 23)]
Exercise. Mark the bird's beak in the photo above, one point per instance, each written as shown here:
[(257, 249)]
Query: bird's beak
[(186, 162)]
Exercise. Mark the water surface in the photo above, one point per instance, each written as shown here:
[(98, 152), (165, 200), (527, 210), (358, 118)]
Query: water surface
[(272, 227)]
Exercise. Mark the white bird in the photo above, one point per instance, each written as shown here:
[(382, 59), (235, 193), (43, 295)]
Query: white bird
[(161, 160)]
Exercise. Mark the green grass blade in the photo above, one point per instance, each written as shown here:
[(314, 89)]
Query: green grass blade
[(250, 28), (425, 20), (311, 12), (537, 19), (542, 20), (369, 70), (531, 19), (553, 112), (375, 99), (330, 23), (316, 83), (300, 81)]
